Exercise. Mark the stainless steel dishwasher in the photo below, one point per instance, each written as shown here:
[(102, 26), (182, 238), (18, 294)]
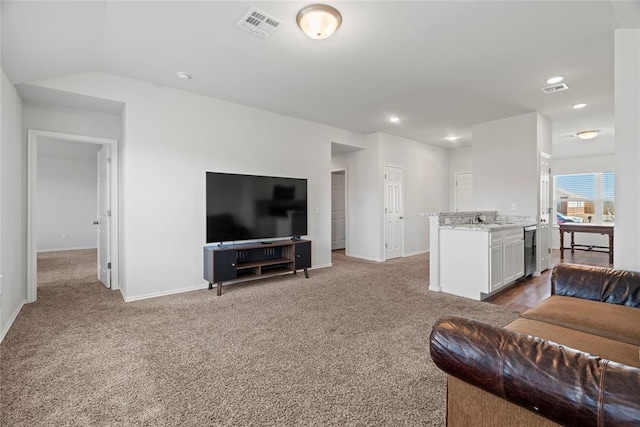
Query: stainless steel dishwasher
[(530, 250)]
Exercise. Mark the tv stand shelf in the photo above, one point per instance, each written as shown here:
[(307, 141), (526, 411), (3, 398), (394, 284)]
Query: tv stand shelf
[(235, 263)]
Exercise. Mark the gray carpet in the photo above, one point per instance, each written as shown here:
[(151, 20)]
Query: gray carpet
[(348, 346)]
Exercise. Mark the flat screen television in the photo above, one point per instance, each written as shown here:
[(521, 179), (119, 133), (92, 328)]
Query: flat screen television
[(251, 207)]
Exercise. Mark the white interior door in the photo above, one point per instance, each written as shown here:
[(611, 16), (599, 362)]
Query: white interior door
[(464, 191), (338, 211), (543, 235), (393, 212), (104, 216)]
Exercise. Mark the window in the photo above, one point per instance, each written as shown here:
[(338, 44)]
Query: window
[(586, 197)]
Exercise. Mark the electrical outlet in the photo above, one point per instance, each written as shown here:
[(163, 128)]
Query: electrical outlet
[(513, 207), (65, 237)]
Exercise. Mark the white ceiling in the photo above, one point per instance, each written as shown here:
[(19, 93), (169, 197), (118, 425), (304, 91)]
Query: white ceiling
[(441, 66)]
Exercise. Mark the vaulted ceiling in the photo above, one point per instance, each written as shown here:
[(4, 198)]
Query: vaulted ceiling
[(441, 66)]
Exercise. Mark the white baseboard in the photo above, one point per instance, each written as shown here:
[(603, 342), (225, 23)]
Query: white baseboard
[(321, 266), (198, 288), (165, 293), (67, 249), (11, 320), (365, 258), (417, 253)]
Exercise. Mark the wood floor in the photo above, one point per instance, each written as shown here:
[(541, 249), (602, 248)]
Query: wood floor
[(529, 292)]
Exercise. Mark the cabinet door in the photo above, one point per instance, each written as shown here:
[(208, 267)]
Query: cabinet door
[(509, 256), (518, 259), (303, 255), (495, 268), (224, 265)]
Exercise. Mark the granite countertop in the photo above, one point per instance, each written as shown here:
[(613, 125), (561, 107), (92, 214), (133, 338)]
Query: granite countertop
[(495, 226)]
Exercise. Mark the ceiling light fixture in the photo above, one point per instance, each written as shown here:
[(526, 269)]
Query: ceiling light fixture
[(555, 79), (319, 21), (394, 119), (452, 138), (587, 134), (579, 105), (184, 76)]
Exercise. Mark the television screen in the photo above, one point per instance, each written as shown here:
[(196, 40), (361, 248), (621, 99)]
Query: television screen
[(249, 207)]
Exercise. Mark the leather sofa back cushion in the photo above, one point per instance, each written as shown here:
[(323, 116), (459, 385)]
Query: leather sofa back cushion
[(596, 283), (613, 321)]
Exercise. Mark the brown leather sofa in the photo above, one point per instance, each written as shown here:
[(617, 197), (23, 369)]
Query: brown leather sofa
[(574, 359)]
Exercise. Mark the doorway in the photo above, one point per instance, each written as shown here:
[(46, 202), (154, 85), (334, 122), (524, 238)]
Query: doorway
[(338, 210), (106, 181), (393, 212)]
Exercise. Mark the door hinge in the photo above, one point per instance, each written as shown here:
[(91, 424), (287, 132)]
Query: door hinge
[(549, 250), (108, 265), (109, 160), (386, 246), (109, 212)]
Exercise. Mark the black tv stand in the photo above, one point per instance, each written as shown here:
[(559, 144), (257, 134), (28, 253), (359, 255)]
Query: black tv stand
[(250, 261)]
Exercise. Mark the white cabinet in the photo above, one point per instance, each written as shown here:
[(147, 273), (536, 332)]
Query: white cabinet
[(513, 256), (475, 263), (495, 268)]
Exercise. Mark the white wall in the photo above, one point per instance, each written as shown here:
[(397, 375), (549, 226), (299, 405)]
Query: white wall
[(426, 185), (505, 165), (13, 217), (66, 204), (426, 188), (63, 119), (172, 139), (627, 153), (364, 199), (460, 160)]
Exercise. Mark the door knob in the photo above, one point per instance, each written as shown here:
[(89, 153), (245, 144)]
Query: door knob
[(96, 222), (401, 217)]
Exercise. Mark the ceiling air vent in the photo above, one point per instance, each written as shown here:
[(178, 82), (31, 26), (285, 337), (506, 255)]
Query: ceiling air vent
[(555, 88), (259, 23)]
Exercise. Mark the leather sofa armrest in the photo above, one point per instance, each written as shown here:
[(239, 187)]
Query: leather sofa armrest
[(564, 385), (597, 284)]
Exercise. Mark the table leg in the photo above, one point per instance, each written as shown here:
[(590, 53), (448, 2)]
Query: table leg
[(219, 292), (306, 273), (561, 244), (611, 249), (572, 243)]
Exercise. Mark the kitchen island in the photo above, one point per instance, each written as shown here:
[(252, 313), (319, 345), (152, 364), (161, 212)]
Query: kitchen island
[(478, 255)]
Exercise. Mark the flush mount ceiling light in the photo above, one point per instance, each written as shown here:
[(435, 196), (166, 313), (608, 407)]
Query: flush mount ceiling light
[(579, 105), (319, 21), (184, 76), (452, 138), (394, 119), (555, 79), (587, 134)]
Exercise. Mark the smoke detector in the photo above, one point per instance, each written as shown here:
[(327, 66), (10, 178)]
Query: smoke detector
[(259, 23), (555, 88)]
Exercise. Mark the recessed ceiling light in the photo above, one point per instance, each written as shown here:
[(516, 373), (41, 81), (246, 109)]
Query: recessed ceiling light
[(555, 79), (579, 105), (184, 76), (394, 119), (587, 134), (452, 138)]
